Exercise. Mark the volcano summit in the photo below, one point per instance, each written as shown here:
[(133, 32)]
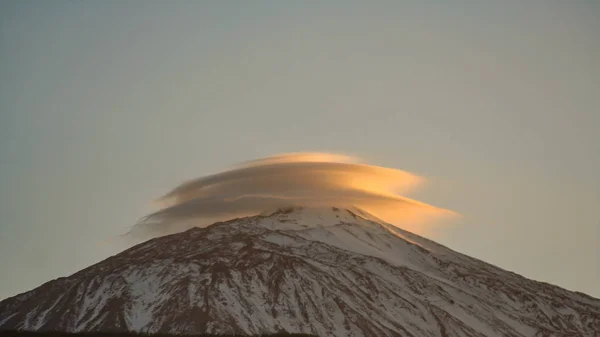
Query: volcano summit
[(327, 271)]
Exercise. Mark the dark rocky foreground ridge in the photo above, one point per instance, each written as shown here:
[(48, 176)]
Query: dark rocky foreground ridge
[(327, 272), (127, 334)]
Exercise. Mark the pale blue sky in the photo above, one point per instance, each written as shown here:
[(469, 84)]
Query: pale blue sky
[(106, 105)]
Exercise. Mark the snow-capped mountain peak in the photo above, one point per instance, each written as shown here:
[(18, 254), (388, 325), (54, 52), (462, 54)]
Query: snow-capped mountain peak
[(327, 271)]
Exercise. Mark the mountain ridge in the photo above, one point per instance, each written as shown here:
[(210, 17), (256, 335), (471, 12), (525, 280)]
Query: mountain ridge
[(326, 271)]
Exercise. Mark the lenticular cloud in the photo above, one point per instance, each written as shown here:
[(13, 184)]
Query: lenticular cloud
[(298, 179)]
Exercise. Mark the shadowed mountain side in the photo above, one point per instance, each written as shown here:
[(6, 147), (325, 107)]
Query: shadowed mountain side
[(128, 334)]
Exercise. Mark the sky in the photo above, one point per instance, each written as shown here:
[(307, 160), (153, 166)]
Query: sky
[(107, 105)]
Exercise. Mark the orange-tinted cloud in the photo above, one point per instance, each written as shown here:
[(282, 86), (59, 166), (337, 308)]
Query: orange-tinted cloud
[(299, 179)]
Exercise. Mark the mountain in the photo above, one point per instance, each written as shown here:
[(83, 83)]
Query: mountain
[(325, 271), (127, 334)]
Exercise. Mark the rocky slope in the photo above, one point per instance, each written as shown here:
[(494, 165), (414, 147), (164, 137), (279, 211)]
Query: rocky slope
[(328, 271)]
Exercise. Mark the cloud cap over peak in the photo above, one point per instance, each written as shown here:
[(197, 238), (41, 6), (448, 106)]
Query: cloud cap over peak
[(295, 179)]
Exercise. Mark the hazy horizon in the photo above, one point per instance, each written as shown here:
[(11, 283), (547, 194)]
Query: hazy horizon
[(106, 105)]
